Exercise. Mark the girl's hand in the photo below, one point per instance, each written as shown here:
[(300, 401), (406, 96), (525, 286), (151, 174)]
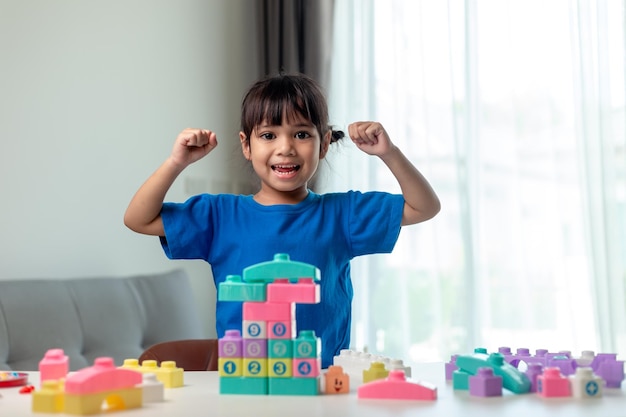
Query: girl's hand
[(192, 145), (370, 137)]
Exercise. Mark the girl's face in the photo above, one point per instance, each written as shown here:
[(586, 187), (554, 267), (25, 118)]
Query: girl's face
[(285, 157)]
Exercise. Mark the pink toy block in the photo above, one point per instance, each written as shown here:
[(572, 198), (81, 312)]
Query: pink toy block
[(306, 367), (254, 329), (255, 348), (231, 345), (281, 329), (102, 376), (485, 383), (305, 291), (553, 384), (396, 387), (267, 311), (54, 365)]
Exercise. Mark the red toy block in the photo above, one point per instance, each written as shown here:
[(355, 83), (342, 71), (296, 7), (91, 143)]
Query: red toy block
[(553, 384), (54, 365), (305, 291), (268, 311), (396, 387)]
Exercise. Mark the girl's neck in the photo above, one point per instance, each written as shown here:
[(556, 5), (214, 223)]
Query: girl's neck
[(274, 197)]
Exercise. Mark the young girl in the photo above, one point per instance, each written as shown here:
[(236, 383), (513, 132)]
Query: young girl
[(285, 133)]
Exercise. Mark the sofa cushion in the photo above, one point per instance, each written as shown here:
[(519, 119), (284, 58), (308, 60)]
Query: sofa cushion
[(93, 317)]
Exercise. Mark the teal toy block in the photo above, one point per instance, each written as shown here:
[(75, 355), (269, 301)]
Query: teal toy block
[(280, 268), (293, 386), (306, 345), (279, 348), (234, 289), (243, 385), (512, 379), (460, 380)]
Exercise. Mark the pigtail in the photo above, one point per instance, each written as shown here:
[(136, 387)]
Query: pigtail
[(336, 135)]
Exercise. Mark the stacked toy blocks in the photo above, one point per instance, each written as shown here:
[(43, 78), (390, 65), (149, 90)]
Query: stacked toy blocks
[(167, 373), (266, 357)]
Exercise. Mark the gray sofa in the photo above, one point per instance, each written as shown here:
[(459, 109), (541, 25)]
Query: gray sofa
[(92, 317)]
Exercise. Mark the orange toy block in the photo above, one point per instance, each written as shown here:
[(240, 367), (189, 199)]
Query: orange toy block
[(336, 381), (396, 387)]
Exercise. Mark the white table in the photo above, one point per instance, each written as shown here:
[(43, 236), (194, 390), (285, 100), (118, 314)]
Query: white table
[(200, 397)]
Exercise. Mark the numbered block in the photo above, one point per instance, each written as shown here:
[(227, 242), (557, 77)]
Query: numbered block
[(230, 367), (585, 384), (231, 345), (293, 386), (280, 368), (279, 348), (280, 329), (306, 368), (254, 329), (255, 348), (255, 367), (245, 386), (306, 345)]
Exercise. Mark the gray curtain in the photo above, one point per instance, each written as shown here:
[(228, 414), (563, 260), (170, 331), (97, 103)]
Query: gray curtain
[(296, 36)]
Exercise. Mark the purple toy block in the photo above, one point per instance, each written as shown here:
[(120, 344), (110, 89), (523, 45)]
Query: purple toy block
[(451, 367), (485, 383), (532, 372), (255, 348), (566, 364), (231, 345), (612, 372)]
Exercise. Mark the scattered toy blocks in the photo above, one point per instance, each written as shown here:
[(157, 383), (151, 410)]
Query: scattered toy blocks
[(513, 379)]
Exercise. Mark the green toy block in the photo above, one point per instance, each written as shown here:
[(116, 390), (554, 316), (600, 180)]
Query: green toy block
[(243, 385), (234, 289), (280, 348), (293, 386), (512, 379), (280, 268), (306, 345), (460, 380)]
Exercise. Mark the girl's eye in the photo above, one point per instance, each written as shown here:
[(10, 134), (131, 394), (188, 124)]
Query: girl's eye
[(302, 135), (266, 136)]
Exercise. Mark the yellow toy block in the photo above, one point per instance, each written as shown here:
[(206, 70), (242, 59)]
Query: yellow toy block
[(228, 367), (255, 367), (280, 367), (131, 364), (114, 400), (170, 375), (377, 371), (49, 399)]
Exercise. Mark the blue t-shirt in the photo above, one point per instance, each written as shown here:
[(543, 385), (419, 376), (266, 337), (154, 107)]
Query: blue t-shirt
[(232, 232)]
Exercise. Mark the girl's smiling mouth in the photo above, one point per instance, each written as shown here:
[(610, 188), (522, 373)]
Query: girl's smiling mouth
[(285, 169)]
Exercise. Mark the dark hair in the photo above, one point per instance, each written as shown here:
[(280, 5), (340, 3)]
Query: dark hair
[(285, 95)]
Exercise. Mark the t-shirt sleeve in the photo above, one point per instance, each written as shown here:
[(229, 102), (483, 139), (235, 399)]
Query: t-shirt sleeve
[(188, 228), (375, 222)]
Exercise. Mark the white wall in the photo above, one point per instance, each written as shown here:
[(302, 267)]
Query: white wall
[(92, 95)]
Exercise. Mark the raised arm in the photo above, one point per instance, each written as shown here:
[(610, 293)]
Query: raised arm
[(143, 214), (420, 201)]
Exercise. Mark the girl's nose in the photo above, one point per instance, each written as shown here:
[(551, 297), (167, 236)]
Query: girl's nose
[(286, 145)]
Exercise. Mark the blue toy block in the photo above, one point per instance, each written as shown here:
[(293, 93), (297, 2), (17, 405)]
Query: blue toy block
[(512, 379), (243, 385), (280, 268), (293, 386), (234, 289)]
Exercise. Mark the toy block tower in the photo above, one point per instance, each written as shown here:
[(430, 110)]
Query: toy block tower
[(266, 357)]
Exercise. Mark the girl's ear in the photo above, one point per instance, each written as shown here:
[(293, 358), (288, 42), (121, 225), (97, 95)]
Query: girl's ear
[(325, 144), (245, 145)]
